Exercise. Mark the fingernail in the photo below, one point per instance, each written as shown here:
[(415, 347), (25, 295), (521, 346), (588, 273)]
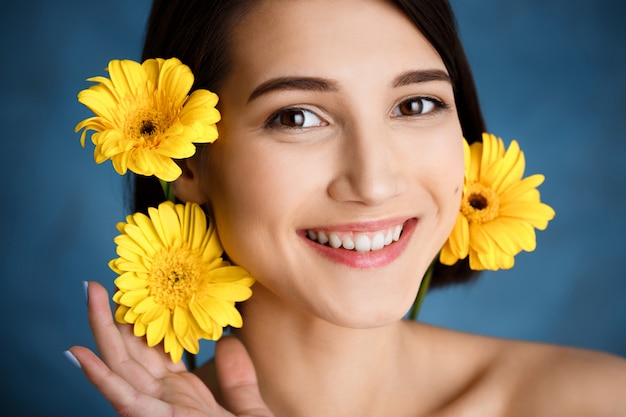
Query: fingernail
[(70, 357), (85, 291)]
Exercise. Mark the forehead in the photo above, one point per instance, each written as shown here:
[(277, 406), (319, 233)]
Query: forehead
[(328, 37)]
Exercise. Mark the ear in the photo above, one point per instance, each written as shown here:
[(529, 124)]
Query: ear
[(187, 187)]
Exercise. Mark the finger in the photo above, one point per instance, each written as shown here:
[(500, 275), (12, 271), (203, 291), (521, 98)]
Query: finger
[(112, 345), (126, 345), (153, 358), (106, 334), (238, 381), (125, 399)]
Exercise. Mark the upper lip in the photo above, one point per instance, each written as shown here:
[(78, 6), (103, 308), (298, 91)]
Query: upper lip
[(364, 227)]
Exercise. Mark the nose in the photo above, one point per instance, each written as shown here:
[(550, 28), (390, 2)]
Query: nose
[(371, 166)]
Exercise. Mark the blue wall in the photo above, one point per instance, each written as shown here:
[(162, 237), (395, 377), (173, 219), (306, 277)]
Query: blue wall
[(550, 74)]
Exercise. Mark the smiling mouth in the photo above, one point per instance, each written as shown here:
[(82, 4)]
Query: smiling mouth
[(356, 241)]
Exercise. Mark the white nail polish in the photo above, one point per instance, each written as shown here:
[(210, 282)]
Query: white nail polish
[(85, 292), (70, 357)]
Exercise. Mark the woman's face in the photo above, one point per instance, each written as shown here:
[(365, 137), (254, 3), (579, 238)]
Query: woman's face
[(339, 124)]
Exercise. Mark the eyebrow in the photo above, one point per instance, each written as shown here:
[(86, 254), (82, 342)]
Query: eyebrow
[(420, 76), (294, 83), (326, 85)]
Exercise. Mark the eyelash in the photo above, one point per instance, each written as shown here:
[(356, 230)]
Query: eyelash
[(276, 121)]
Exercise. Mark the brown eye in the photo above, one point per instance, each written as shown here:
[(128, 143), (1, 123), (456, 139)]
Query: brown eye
[(295, 118), (415, 106), (292, 118)]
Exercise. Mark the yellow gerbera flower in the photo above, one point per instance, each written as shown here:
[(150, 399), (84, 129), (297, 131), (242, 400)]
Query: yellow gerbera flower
[(499, 209), (174, 285), (145, 117)]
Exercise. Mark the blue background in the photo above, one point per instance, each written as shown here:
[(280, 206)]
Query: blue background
[(550, 73)]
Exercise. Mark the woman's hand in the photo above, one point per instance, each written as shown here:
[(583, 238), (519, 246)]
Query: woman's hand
[(140, 381)]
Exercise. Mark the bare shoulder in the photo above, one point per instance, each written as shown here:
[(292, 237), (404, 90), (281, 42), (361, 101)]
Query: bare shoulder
[(554, 379), (502, 377)]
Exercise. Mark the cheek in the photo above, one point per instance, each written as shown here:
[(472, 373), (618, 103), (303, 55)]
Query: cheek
[(457, 174), (252, 210), (238, 196), (446, 179), (452, 189)]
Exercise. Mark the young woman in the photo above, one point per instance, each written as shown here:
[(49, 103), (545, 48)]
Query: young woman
[(346, 118)]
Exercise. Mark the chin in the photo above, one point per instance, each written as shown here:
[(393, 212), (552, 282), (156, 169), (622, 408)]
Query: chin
[(368, 315)]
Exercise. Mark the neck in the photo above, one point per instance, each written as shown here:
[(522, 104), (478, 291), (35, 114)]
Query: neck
[(301, 359)]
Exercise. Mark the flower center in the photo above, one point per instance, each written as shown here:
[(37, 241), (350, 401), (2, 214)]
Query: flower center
[(174, 276), (145, 126), (480, 203)]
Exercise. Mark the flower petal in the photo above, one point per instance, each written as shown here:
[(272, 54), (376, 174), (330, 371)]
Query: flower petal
[(156, 329), (173, 284), (512, 211), (154, 92)]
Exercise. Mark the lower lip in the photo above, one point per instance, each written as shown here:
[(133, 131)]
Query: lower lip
[(367, 260)]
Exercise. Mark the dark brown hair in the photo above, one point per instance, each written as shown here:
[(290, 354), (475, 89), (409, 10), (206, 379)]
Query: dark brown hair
[(197, 32)]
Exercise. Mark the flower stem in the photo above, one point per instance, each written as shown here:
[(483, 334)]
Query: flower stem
[(191, 361), (167, 190), (422, 291)]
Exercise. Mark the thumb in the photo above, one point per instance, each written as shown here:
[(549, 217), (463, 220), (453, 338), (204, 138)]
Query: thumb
[(235, 371)]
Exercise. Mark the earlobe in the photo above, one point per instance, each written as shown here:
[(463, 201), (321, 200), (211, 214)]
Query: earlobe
[(187, 187)]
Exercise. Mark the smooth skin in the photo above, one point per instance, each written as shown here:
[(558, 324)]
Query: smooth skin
[(338, 116)]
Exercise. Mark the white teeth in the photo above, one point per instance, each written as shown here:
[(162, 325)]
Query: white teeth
[(378, 242), (361, 242), (388, 237), (334, 241), (396, 233)]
